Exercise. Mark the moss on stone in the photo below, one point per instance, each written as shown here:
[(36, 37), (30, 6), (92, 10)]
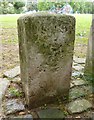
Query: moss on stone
[(37, 27)]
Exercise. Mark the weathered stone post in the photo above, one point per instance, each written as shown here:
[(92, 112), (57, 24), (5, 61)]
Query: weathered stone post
[(89, 66), (46, 43)]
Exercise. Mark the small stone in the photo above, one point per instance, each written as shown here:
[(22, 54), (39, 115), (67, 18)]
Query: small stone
[(29, 116), (22, 117), (79, 106), (29, 111), (77, 74), (79, 60), (51, 113), (13, 106), (79, 82), (13, 72), (4, 83), (16, 80), (74, 64), (76, 93), (78, 67)]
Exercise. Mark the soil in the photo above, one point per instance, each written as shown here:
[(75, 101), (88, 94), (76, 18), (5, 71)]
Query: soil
[(10, 49)]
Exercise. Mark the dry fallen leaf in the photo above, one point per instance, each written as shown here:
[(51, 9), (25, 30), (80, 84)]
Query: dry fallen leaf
[(77, 117), (21, 113)]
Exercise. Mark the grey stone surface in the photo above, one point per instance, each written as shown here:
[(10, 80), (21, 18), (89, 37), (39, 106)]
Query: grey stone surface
[(79, 60), (13, 106), (78, 67), (46, 43), (4, 83), (28, 116), (22, 117), (79, 106), (13, 72), (74, 63), (51, 113), (79, 82), (80, 91), (76, 74), (76, 93)]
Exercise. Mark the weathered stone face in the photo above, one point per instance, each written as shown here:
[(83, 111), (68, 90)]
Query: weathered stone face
[(89, 66), (46, 43)]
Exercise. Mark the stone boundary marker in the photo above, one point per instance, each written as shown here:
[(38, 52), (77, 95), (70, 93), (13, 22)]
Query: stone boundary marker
[(46, 44), (89, 66)]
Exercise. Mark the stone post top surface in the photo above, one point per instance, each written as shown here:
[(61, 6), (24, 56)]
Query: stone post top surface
[(46, 14)]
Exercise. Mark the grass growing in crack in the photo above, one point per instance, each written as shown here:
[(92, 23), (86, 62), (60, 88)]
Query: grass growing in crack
[(15, 92)]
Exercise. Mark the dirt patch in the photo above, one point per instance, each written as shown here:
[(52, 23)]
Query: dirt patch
[(80, 50), (10, 56), (9, 49), (9, 34)]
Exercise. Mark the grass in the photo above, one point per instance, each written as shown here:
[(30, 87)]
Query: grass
[(15, 92), (83, 22), (9, 21)]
